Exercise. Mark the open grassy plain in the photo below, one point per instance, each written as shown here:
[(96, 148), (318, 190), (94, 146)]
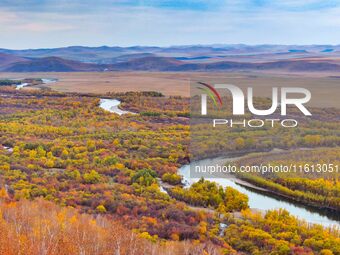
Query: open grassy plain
[(323, 86)]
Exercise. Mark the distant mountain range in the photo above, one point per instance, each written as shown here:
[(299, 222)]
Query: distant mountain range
[(307, 58)]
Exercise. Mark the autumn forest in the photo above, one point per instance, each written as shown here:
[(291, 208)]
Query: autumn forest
[(76, 179)]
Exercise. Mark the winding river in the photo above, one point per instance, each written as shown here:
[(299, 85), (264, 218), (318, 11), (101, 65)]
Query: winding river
[(20, 86), (257, 199), (261, 200), (111, 105), (44, 81)]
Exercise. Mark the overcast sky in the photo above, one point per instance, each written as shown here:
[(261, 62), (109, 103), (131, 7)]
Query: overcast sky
[(58, 23)]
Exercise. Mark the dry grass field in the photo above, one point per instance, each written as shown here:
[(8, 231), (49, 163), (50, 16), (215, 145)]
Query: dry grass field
[(325, 87)]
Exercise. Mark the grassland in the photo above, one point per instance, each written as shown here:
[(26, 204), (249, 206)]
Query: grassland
[(323, 86)]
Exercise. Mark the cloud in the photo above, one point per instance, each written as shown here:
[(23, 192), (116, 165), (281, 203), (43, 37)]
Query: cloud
[(89, 5), (39, 27), (6, 17), (17, 21), (85, 6), (304, 5), (52, 23)]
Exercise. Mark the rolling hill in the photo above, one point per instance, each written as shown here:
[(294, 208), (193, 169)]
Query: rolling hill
[(233, 52), (148, 64), (8, 59), (52, 64), (314, 58)]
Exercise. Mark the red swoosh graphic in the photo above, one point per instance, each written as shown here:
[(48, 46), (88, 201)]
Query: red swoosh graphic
[(213, 90)]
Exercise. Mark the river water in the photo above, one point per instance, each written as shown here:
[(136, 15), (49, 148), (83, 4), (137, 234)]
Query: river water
[(258, 199), (111, 105), (44, 81)]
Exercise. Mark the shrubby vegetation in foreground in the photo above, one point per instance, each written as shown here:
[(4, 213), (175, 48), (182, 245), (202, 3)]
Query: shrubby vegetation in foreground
[(41, 227)]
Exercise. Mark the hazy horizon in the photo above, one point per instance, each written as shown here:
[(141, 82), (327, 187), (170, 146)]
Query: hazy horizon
[(173, 46)]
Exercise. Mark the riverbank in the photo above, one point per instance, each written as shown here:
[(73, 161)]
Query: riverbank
[(250, 183), (260, 197)]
